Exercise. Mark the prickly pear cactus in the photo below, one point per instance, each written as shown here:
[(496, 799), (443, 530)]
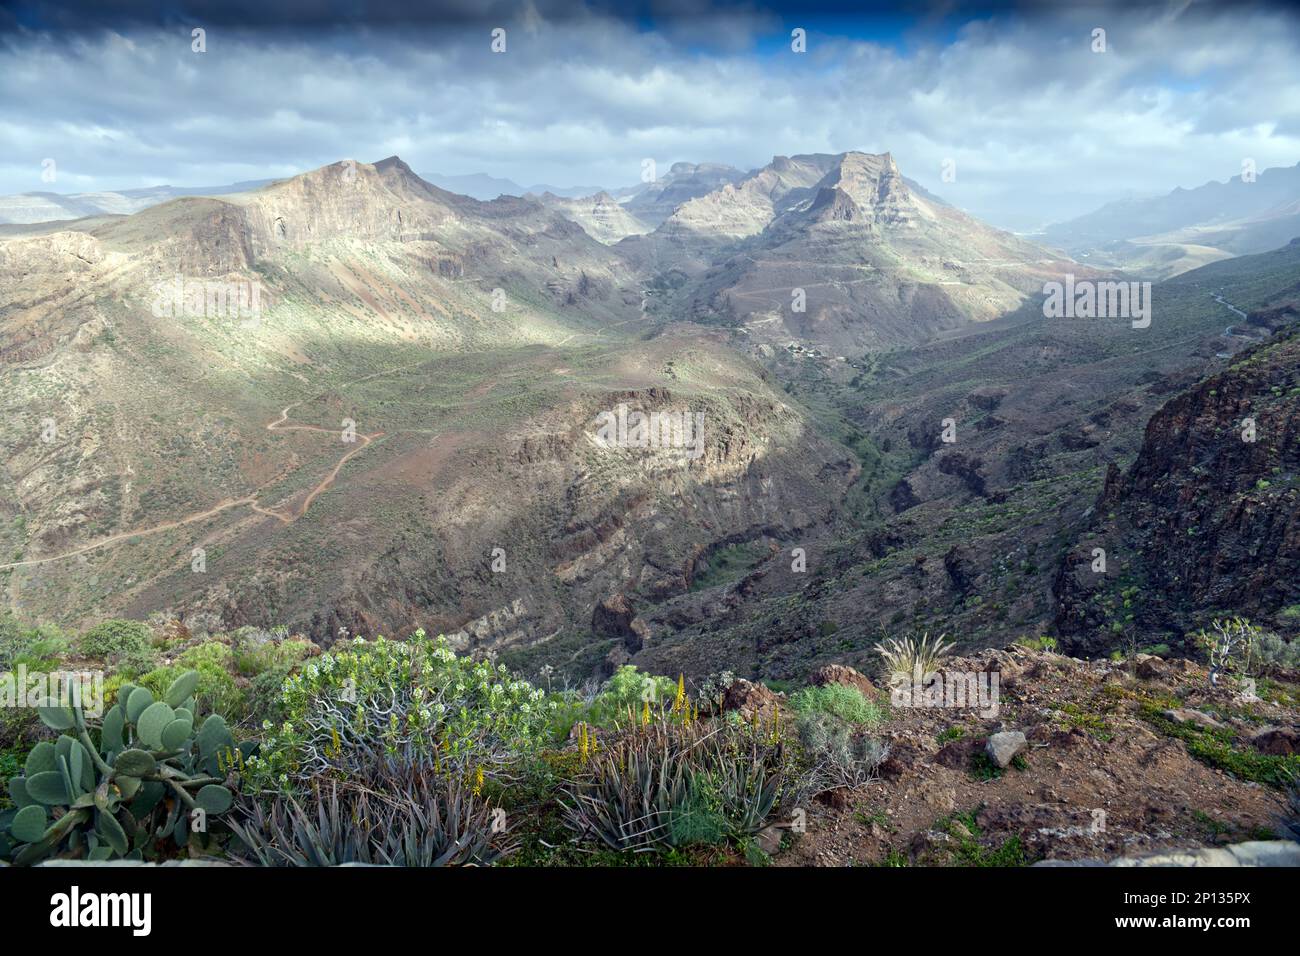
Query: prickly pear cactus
[(149, 774)]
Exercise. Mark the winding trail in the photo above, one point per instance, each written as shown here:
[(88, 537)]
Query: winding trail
[(277, 424), (278, 513), (324, 483), (144, 532)]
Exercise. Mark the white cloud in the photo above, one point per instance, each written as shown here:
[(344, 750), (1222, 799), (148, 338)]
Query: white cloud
[(1039, 126)]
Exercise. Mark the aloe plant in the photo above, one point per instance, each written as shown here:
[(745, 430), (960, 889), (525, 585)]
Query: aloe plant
[(672, 783), (147, 772), (393, 812)]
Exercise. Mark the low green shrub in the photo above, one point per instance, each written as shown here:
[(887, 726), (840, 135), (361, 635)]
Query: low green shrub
[(266, 696), (970, 847), (127, 646), (217, 690), (1042, 643), (1274, 654), (838, 753), (626, 692), (112, 638), (11, 765), (36, 648), (252, 659), (838, 700), (1216, 748)]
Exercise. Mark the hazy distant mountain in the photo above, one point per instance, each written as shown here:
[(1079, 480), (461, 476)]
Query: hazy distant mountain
[(48, 207), (603, 216), (655, 201), (485, 187), (25, 208), (569, 192), (1165, 235), (476, 185)]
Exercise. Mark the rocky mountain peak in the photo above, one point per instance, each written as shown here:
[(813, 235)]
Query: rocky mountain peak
[(395, 164), (383, 200), (871, 181)]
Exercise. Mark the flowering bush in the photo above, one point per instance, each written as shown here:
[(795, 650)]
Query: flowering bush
[(414, 699), (619, 700)]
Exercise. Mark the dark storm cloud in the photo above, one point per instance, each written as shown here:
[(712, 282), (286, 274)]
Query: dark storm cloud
[(79, 16)]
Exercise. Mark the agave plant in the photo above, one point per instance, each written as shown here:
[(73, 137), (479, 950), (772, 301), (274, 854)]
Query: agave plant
[(397, 814), (154, 774), (910, 658), (673, 783)]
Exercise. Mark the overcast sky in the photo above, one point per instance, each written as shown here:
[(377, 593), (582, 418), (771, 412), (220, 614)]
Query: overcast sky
[(1038, 126)]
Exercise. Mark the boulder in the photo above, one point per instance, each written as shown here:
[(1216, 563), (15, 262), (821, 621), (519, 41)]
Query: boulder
[(1004, 747), (1184, 715), (1150, 667), (838, 798), (902, 758), (1282, 741), (957, 754), (930, 846), (845, 676), (769, 839), (750, 698), (1254, 853)]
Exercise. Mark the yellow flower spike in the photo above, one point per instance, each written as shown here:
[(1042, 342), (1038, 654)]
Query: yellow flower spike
[(478, 781), (645, 713), (680, 699)]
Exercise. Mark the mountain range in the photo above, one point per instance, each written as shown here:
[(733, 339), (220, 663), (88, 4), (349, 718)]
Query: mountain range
[(1162, 236), (24, 208), (1155, 237), (402, 431)]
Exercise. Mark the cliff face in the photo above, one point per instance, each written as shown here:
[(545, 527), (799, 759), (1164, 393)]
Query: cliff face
[(878, 261), (601, 215), (749, 206), (1207, 520)]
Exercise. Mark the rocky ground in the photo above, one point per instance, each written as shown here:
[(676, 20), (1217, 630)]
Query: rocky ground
[(1102, 759)]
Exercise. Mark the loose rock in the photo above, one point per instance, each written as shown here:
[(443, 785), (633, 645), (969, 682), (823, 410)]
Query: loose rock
[(1005, 747)]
